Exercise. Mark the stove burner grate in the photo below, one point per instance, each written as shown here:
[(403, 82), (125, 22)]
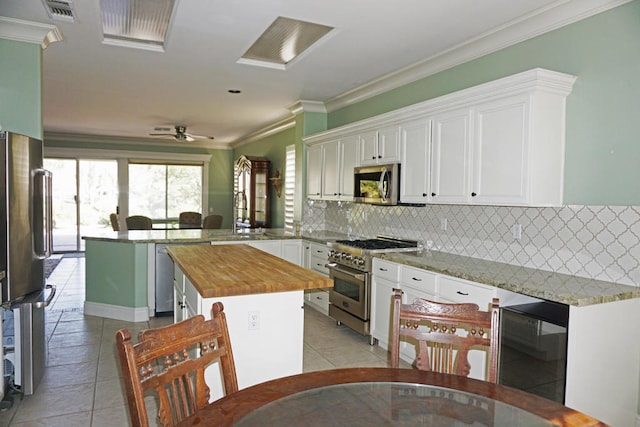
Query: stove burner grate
[(373, 244)]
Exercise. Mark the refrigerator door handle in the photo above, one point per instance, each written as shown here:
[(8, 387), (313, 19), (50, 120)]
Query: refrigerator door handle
[(47, 237), (42, 304)]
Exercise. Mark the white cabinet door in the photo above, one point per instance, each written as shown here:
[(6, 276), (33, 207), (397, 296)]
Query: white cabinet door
[(331, 171), (451, 157), (409, 346), (292, 251), (382, 310), (368, 148), (314, 171), (501, 152), (350, 150), (415, 168), (389, 144)]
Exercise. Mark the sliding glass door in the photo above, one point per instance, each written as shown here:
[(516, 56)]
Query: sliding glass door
[(85, 192)]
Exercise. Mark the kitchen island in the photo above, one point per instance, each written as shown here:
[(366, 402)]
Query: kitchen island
[(263, 298), (122, 268)]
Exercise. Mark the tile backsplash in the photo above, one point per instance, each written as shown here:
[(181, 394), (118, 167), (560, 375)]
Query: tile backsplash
[(599, 242)]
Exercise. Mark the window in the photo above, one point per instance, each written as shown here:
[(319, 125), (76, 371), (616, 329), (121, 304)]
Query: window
[(289, 186), (161, 190)]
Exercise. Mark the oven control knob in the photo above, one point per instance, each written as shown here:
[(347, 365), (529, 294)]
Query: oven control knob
[(361, 261), (348, 257), (332, 253)]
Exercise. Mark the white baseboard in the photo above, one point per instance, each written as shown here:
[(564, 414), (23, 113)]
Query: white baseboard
[(118, 312)]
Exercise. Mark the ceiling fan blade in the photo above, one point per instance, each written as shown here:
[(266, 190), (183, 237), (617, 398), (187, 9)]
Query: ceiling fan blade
[(162, 134), (199, 136)]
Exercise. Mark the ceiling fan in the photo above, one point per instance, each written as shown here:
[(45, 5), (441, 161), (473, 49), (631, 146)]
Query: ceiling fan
[(180, 134)]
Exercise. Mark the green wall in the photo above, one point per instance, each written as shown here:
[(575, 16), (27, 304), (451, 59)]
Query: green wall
[(21, 88), (124, 285), (602, 143), (273, 148)]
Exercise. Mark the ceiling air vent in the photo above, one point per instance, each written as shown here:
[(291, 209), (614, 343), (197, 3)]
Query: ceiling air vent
[(60, 10)]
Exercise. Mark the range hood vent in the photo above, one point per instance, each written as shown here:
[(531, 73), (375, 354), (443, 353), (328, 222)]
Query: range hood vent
[(60, 10)]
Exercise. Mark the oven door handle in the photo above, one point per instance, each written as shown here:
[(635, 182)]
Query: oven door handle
[(332, 266)]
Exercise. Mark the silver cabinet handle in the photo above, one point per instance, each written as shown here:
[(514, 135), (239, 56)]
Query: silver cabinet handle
[(462, 293), (416, 279)]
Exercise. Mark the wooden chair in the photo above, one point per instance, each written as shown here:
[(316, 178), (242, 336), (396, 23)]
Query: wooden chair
[(138, 222), (212, 222), (440, 348), (115, 222), (171, 360), (190, 220)]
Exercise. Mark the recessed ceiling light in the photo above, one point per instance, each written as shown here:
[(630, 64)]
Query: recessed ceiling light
[(284, 40), (234, 91)]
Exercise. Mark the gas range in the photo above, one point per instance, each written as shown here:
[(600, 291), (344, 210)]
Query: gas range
[(357, 254)]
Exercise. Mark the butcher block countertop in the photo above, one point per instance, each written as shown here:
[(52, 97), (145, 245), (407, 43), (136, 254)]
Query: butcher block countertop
[(231, 270)]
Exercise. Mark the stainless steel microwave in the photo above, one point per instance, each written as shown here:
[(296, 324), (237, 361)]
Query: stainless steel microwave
[(377, 185)]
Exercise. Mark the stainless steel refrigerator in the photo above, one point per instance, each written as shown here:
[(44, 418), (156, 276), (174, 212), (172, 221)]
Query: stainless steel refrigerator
[(26, 241)]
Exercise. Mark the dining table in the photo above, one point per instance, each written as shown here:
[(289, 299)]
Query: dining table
[(384, 397)]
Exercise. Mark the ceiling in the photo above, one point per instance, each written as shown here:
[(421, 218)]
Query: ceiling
[(90, 88)]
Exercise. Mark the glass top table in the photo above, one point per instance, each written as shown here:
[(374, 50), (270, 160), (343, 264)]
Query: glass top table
[(384, 397), (386, 404)]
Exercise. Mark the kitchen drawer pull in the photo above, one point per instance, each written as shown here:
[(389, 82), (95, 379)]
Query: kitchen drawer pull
[(383, 269), (462, 293), (416, 279)]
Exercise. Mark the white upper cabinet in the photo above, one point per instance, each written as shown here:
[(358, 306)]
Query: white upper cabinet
[(315, 162), (501, 152), (415, 163), (350, 150), (331, 170), (380, 146), (451, 157), (331, 173), (499, 143)]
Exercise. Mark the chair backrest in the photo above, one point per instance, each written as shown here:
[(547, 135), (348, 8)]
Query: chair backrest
[(190, 220), (171, 360), (115, 222), (445, 333), (212, 222), (138, 222)]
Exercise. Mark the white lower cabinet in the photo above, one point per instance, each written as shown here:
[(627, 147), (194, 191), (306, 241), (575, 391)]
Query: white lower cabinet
[(383, 282), (317, 255)]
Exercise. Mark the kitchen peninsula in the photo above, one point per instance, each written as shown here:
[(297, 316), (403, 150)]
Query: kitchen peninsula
[(122, 267), (263, 298)]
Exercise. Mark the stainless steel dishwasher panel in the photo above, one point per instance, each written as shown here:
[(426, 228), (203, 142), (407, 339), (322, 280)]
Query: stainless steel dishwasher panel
[(164, 281)]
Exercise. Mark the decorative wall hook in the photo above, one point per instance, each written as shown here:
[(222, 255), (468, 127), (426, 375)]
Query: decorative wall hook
[(277, 182)]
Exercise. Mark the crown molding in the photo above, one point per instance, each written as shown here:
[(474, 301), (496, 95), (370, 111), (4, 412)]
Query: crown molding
[(29, 32), (308, 107), (274, 128), (552, 17), (101, 139)]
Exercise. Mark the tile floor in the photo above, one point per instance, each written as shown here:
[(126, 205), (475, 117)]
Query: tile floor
[(81, 385)]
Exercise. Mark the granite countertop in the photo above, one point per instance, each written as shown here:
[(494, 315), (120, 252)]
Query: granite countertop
[(200, 235), (192, 235), (231, 270), (558, 287)]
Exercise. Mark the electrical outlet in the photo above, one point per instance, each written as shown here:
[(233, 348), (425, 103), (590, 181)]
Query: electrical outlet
[(443, 224), (254, 320), (516, 231)]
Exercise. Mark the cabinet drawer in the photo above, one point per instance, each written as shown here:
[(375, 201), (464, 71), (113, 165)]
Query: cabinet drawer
[(386, 270), (457, 290), (318, 264), (319, 299), (418, 279)]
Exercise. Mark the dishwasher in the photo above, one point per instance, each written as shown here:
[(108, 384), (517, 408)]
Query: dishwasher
[(533, 348), (163, 281)]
